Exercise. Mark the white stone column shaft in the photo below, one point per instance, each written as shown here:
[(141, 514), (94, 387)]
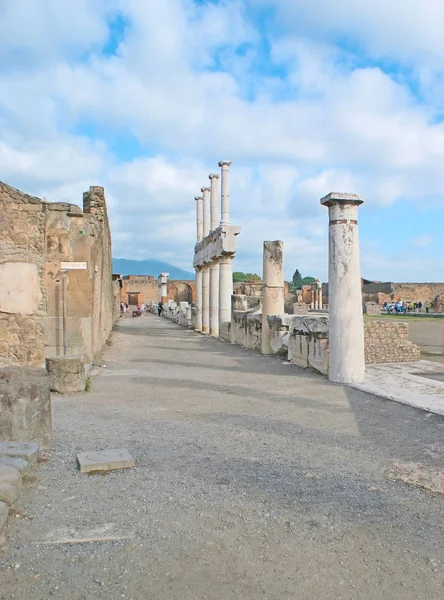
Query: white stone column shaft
[(214, 179), (225, 187), (199, 217), (206, 299), (273, 294), (206, 211), (198, 300), (320, 297), (214, 297), (346, 323), (225, 289)]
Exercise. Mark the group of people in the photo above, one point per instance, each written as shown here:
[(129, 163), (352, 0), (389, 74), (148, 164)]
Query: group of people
[(404, 307), (141, 308)]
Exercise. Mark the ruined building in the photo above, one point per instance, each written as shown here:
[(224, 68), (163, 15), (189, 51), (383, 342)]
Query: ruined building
[(57, 299)]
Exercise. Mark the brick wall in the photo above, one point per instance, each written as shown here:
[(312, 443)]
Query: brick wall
[(387, 342)]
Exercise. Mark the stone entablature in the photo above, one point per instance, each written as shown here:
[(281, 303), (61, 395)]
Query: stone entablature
[(218, 243)]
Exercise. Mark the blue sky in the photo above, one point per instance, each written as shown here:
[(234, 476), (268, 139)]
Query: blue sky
[(304, 96)]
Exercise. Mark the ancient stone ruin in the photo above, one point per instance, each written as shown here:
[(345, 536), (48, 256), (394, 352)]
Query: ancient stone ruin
[(57, 304)]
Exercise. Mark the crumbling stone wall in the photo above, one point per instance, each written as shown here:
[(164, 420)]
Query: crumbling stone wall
[(387, 342)]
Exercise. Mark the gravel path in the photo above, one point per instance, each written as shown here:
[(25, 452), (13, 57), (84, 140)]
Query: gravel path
[(254, 479)]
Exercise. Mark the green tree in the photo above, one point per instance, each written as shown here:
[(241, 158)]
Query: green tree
[(308, 280), (239, 276), (297, 280)]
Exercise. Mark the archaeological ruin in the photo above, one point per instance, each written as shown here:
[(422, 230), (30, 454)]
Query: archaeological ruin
[(58, 303)]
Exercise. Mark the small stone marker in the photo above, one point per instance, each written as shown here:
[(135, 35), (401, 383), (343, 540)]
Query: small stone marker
[(105, 460), (26, 450)]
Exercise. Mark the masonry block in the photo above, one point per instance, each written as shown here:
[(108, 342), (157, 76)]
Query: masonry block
[(67, 375)]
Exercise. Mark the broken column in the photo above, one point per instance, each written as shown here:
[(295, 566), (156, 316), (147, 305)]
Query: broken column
[(273, 297), (162, 282), (346, 324)]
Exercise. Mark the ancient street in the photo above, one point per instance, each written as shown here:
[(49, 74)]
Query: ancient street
[(254, 479)]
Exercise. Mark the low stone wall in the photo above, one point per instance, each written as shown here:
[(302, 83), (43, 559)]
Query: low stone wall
[(387, 342), (308, 342), (372, 308)]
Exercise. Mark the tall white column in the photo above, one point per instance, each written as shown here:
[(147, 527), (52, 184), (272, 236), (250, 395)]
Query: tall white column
[(225, 289), (214, 297), (206, 211), (225, 186), (199, 217), (320, 295), (273, 294), (346, 323), (214, 179), (206, 299), (198, 299)]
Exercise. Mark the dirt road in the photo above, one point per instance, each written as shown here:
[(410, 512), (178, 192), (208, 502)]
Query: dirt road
[(254, 479)]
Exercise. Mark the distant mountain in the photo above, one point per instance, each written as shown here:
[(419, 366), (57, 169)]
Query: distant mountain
[(124, 266)]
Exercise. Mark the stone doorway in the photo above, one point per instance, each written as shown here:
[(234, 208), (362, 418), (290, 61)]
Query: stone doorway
[(133, 298)]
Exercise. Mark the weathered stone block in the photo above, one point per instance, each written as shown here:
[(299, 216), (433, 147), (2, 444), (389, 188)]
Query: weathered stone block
[(10, 484), (105, 460), (67, 375), (4, 510), (18, 463), (25, 405)]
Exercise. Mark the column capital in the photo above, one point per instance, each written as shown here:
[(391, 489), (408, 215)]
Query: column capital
[(213, 176), (224, 162), (205, 189), (197, 198), (341, 198)]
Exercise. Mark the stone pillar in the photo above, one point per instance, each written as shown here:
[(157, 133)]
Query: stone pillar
[(320, 295), (225, 185), (162, 282), (225, 289), (214, 297), (198, 299), (346, 324), (199, 217), (273, 296), (206, 211), (316, 297), (206, 299), (214, 201)]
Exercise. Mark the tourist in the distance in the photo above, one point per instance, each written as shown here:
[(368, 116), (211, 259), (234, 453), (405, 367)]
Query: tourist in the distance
[(427, 306), (159, 308)]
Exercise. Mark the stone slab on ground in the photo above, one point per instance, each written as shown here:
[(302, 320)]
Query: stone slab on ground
[(26, 450), (415, 384), (18, 463), (105, 460), (10, 484), (4, 510)]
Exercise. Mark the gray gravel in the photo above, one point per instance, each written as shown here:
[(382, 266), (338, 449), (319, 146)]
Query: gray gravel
[(254, 479)]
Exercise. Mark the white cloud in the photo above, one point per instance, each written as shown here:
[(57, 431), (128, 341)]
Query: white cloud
[(317, 120)]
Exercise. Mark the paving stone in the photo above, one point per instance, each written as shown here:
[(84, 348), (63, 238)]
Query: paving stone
[(105, 460), (10, 484), (20, 464), (27, 450), (4, 510)]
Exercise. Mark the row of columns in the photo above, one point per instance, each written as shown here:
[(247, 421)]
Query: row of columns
[(214, 279), (316, 295)]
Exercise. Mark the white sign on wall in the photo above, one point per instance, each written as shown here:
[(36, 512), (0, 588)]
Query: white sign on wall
[(78, 266)]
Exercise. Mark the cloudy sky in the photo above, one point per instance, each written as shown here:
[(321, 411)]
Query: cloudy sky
[(305, 97)]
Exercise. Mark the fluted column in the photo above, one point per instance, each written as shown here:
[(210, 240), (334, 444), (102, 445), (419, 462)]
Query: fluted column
[(214, 297), (206, 299), (206, 211), (346, 323), (225, 186), (214, 179), (198, 299)]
